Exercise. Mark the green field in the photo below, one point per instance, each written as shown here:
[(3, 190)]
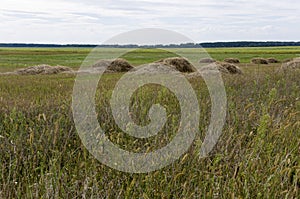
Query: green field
[(257, 156), (13, 58)]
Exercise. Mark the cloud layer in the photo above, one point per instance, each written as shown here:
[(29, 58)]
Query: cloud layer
[(93, 21)]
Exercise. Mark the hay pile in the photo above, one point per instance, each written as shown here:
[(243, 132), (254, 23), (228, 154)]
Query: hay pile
[(178, 63), (43, 69), (296, 59), (231, 68), (232, 60), (223, 67), (207, 61), (113, 66), (7, 73), (214, 67), (154, 68), (292, 65), (272, 61), (287, 60), (259, 61)]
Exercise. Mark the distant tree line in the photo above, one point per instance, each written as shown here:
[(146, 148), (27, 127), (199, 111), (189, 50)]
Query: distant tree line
[(186, 45)]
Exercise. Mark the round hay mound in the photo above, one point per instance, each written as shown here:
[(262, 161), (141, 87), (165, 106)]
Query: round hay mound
[(292, 65), (154, 68), (180, 64), (114, 66), (223, 67), (207, 61), (297, 59), (120, 65), (259, 61), (213, 67), (231, 68), (272, 61), (232, 60), (287, 60), (43, 69)]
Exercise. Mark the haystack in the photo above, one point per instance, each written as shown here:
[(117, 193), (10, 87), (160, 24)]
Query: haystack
[(154, 68), (223, 68), (292, 65), (231, 68), (232, 60), (297, 59), (259, 61), (207, 61), (179, 63), (272, 61), (213, 67), (43, 69), (114, 66), (287, 60)]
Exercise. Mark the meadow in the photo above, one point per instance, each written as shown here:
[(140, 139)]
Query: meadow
[(257, 156)]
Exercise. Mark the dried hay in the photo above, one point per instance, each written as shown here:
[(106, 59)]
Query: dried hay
[(114, 66), (179, 63), (222, 67), (43, 69), (272, 61), (231, 68), (232, 60), (297, 59), (287, 60), (154, 68), (259, 61), (7, 73), (207, 61), (292, 65)]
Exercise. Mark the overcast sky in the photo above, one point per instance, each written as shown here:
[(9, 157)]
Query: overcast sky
[(95, 21)]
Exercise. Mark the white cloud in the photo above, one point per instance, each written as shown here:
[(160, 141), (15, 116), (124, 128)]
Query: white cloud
[(93, 21)]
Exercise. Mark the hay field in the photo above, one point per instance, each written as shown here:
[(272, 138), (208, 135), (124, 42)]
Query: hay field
[(258, 155)]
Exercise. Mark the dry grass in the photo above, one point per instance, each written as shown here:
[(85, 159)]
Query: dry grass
[(114, 66), (179, 63), (43, 69), (259, 61), (40, 69), (287, 60), (207, 61), (223, 67), (292, 65), (273, 60), (231, 68), (154, 68), (232, 60)]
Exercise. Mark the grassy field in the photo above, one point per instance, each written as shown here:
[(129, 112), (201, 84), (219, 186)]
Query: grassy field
[(13, 58), (258, 155)]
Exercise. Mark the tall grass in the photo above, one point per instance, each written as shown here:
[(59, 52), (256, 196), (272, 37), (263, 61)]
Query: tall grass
[(256, 157)]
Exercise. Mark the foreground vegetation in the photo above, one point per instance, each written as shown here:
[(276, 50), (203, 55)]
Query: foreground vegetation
[(42, 156)]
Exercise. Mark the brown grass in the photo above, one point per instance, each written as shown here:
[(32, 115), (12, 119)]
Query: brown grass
[(259, 61), (232, 60), (231, 68), (179, 63), (225, 68), (287, 60), (273, 60), (120, 65), (207, 60), (292, 65), (42, 69), (114, 66)]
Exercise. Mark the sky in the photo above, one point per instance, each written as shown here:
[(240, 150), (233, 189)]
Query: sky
[(96, 21)]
